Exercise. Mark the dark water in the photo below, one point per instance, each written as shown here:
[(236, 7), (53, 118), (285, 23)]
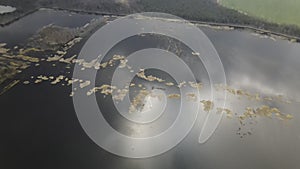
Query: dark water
[(18, 32), (39, 127)]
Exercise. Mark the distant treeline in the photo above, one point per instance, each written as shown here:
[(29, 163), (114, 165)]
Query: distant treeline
[(199, 10)]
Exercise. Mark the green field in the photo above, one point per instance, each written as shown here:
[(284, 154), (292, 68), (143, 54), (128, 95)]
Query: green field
[(278, 11)]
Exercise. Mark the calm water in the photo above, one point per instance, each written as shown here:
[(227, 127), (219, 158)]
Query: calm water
[(19, 32), (40, 129)]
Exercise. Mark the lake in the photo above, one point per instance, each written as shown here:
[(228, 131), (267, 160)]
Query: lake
[(40, 129)]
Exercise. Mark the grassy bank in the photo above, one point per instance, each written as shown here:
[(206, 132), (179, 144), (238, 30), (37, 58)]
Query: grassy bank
[(278, 11)]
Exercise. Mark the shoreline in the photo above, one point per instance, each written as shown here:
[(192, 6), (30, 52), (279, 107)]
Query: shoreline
[(214, 24)]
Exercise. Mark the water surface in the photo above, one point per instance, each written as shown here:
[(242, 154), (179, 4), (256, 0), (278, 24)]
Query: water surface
[(40, 129)]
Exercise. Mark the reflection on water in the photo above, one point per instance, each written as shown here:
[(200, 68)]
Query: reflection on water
[(47, 123), (6, 9)]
